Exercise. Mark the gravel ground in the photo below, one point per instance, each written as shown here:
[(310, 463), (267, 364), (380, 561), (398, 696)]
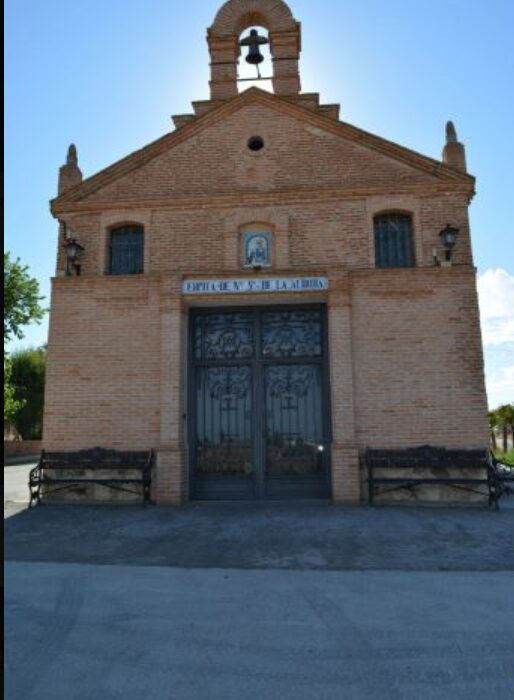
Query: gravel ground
[(280, 535)]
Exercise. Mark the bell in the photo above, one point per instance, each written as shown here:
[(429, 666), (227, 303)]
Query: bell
[(253, 41)]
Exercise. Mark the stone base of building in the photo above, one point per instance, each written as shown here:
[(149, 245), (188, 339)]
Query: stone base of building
[(170, 484), (442, 494), (92, 493)]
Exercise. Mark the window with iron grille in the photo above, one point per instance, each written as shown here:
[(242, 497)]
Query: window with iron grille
[(393, 241), (126, 250)]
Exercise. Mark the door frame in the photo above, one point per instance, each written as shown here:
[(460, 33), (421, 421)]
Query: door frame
[(258, 363)]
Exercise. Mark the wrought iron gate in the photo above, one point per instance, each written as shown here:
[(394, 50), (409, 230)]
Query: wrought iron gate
[(259, 420)]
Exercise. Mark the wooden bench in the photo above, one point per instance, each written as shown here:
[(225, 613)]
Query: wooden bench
[(57, 471), (417, 460)]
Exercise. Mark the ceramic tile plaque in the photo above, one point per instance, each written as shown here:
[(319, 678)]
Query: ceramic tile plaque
[(256, 285), (257, 249)]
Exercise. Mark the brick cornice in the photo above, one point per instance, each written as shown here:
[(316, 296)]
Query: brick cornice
[(439, 170), (242, 199)]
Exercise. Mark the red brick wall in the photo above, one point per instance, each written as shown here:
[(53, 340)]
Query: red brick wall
[(17, 448), (406, 359), (417, 359), (103, 374), (329, 186), (317, 233), (216, 162)]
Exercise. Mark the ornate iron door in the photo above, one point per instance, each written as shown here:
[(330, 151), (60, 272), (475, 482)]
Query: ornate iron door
[(295, 444), (259, 420)]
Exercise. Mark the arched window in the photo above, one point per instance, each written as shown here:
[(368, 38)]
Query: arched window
[(126, 250), (393, 240)]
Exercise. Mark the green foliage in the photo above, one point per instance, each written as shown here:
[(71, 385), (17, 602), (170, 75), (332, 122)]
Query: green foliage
[(21, 299), (507, 457), (21, 306), (502, 419), (11, 404), (505, 414), (28, 381)]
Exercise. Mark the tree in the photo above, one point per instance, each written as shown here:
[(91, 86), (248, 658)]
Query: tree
[(505, 415), (493, 424), (509, 415), (11, 404), (28, 382), (21, 306), (21, 299)]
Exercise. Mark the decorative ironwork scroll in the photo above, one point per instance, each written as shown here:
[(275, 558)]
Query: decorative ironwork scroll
[(289, 380), (291, 334), (223, 420), (223, 336), (228, 381), (294, 431)]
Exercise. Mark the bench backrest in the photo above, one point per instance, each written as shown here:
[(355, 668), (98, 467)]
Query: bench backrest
[(427, 457), (96, 458)]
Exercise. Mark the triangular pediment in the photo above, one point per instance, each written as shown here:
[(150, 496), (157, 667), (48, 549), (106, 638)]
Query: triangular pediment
[(304, 149)]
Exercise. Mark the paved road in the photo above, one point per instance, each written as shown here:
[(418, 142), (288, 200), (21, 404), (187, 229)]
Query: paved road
[(111, 632), (16, 490), (264, 601)]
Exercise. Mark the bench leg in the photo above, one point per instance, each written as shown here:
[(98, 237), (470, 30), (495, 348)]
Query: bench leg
[(494, 495), (35, 494)]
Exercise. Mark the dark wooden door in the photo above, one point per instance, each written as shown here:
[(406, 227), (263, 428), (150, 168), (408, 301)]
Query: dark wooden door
[(259, 418)]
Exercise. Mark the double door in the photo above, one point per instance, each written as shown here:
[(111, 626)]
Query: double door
[(259, 418)]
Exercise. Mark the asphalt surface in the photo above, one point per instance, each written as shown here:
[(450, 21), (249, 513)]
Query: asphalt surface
[(239, 600), (81, 631)]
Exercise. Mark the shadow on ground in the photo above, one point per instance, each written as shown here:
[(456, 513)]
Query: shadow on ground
[(266, 536)]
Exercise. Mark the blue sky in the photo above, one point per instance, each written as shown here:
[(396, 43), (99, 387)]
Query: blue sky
[(108, 74)]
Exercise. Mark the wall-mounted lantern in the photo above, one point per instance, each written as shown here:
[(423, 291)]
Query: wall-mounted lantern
[(448, 239), (72, 248)]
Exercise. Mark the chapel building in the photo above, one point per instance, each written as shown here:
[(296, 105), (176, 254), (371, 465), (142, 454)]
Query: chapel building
[(265, 292)]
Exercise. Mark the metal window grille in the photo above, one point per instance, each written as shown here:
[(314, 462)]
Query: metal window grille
[(126, 254), (393, 241)]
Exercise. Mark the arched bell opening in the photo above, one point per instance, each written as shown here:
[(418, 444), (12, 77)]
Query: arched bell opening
[(282, 47), (255, 64)]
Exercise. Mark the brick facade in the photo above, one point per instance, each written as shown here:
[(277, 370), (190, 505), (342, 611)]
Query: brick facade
[(405, 352)]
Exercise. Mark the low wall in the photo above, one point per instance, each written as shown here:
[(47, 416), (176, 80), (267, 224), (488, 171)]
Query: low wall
[(19, 448)]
